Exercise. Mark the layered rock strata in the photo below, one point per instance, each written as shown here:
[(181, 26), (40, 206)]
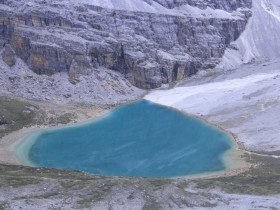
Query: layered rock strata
[(150, 42)]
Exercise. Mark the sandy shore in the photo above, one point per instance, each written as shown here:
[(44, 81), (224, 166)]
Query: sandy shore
[(9, 143)]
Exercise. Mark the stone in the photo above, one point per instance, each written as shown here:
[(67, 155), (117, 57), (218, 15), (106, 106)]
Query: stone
[(9, 56), (68, 95), (48, 59)]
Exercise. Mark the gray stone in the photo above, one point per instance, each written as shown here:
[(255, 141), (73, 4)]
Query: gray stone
[(8, 56)]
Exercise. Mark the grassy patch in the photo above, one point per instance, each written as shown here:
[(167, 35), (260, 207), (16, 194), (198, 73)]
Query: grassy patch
[(151, 205), (62, 119), (19, 182), (14, 115)]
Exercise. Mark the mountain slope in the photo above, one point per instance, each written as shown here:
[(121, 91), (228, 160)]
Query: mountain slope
[(261, 38), (147, 43)]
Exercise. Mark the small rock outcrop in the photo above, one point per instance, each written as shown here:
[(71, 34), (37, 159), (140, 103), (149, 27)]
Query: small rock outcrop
[(9, 56), (151, 42)]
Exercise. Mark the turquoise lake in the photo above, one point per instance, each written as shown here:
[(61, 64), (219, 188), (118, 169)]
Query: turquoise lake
[(138, 139)]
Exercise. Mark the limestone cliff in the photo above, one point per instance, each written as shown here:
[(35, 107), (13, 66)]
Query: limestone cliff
[(151, 42), (260, 41)]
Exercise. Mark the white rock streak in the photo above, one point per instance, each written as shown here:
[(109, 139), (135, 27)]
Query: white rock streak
[(179, 94)]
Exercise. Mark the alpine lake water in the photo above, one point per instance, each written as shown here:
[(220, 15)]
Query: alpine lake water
[(139, 139)]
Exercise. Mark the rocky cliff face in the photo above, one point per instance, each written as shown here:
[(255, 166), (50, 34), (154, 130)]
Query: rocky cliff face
[(260, 41), (203, 4), (151, 42)]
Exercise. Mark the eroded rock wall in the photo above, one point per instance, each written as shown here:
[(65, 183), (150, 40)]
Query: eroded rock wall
[(215, 4), (149, 48)]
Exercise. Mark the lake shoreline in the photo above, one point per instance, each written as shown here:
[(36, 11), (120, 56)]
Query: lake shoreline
[(233, 159)]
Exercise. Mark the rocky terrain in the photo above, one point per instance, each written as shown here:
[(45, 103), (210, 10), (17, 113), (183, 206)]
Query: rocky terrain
[(105, 52), (103, 87), (94, 48), (31, 188)]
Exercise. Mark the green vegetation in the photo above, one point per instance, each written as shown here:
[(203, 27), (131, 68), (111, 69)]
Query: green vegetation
[(15, 114), (62, 119)]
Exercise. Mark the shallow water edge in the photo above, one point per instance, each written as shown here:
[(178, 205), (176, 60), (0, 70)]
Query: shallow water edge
[(232, 158)]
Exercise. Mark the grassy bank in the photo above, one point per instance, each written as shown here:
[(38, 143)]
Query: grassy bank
[(15, 114)]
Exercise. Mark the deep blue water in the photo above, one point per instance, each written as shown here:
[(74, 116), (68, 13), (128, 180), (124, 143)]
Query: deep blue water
[(139, 139)]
